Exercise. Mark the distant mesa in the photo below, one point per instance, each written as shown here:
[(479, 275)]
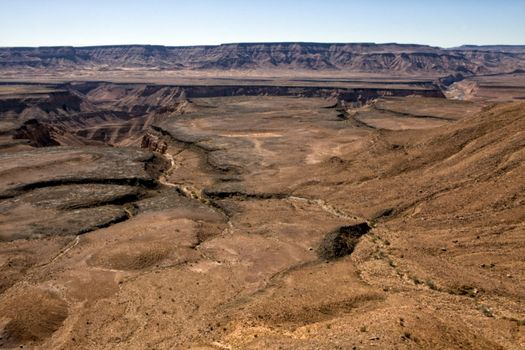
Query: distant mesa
[(352, 57)]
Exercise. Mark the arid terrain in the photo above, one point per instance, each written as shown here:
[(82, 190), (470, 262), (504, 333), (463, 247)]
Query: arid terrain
[(262, 196)]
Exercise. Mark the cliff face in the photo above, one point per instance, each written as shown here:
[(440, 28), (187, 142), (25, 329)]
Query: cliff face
[(304, 56), (38, 134)]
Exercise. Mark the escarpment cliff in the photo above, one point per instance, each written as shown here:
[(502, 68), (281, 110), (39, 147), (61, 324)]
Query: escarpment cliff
[(357, 57)]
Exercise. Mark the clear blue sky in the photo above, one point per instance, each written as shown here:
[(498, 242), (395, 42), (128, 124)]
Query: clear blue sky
[(101, 22)]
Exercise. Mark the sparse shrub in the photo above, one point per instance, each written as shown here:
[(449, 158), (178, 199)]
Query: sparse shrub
[(486, 311), (416, 280), (430, 284)]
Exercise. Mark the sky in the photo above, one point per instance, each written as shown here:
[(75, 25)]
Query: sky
[(445, 23)]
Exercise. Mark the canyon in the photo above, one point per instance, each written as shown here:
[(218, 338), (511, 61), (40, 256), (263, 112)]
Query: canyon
[(262, 196)]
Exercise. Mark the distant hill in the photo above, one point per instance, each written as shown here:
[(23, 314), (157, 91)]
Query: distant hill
[(356, 57), (497, 48)]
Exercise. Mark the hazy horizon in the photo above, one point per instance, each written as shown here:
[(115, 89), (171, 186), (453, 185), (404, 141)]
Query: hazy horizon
[(263, 42), (31, 23)]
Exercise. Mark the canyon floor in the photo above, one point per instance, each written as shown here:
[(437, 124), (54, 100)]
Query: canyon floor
[(301, 215)]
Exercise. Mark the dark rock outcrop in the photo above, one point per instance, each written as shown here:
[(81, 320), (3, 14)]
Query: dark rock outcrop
[(342, 242), (38, 134)]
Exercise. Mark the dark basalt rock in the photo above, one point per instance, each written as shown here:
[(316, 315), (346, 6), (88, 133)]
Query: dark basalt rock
[(342, 242)]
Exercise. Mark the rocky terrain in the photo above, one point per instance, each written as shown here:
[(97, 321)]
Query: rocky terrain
[(277, 213)]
